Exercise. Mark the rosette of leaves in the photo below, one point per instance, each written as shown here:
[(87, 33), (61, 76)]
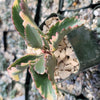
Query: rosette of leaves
[(41, 67)]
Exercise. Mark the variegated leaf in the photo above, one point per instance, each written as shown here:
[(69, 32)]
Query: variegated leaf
[(55, 41), (17, 20), (39, 66), (50, 65), (64, 24), (33, 37), (20, 65), (44, 85), (26, 16)]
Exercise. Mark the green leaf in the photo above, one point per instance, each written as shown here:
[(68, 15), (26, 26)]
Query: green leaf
[(50, 65), (26, 16), (44, 85), (85, 46), (27, 20), (67, 22), (46, 44), (46, 63), (20, 65), (39, 66), (33, 37), (55, 41), (17, 20), (60, 29)]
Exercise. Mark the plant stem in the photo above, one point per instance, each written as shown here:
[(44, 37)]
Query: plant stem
[(61, 3), (27, 84), (5, 40), (38, 10), (28, 76)]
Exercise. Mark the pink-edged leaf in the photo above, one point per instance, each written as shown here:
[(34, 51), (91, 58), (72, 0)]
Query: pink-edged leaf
[(50, 65), (20, 65), (44, 85), (39, 66), (24, 7), (33, 37), (63, 24), (17, 20), (27, 20), (55, 41), (26, 16), (60, 29)]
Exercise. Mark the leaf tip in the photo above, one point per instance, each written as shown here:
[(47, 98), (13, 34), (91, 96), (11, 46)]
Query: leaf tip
[(11, 73)]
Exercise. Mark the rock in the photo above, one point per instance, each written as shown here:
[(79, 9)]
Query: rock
[(68, 68), (68, 51), (64, 74), (62, 54), (20, 98), (19, 88), (66, 60), (61, 66), (57, 53)]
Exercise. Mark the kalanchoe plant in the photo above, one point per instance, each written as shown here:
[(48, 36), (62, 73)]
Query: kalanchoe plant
[(41, 67)]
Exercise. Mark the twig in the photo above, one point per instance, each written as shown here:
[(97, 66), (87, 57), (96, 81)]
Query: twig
[(91, 2), (27, 84), (61, 3), (91, 5), (5, 39), (38, 10), (91, 22)]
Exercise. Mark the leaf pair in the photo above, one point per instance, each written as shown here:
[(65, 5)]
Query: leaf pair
[(38, 66), (20, 65), (46, 64), (21, 15), (43, 76), (44, 85), (60, 29), (26, 26)]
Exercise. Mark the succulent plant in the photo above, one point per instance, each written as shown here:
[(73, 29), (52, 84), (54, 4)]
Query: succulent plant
[(42, 66)]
